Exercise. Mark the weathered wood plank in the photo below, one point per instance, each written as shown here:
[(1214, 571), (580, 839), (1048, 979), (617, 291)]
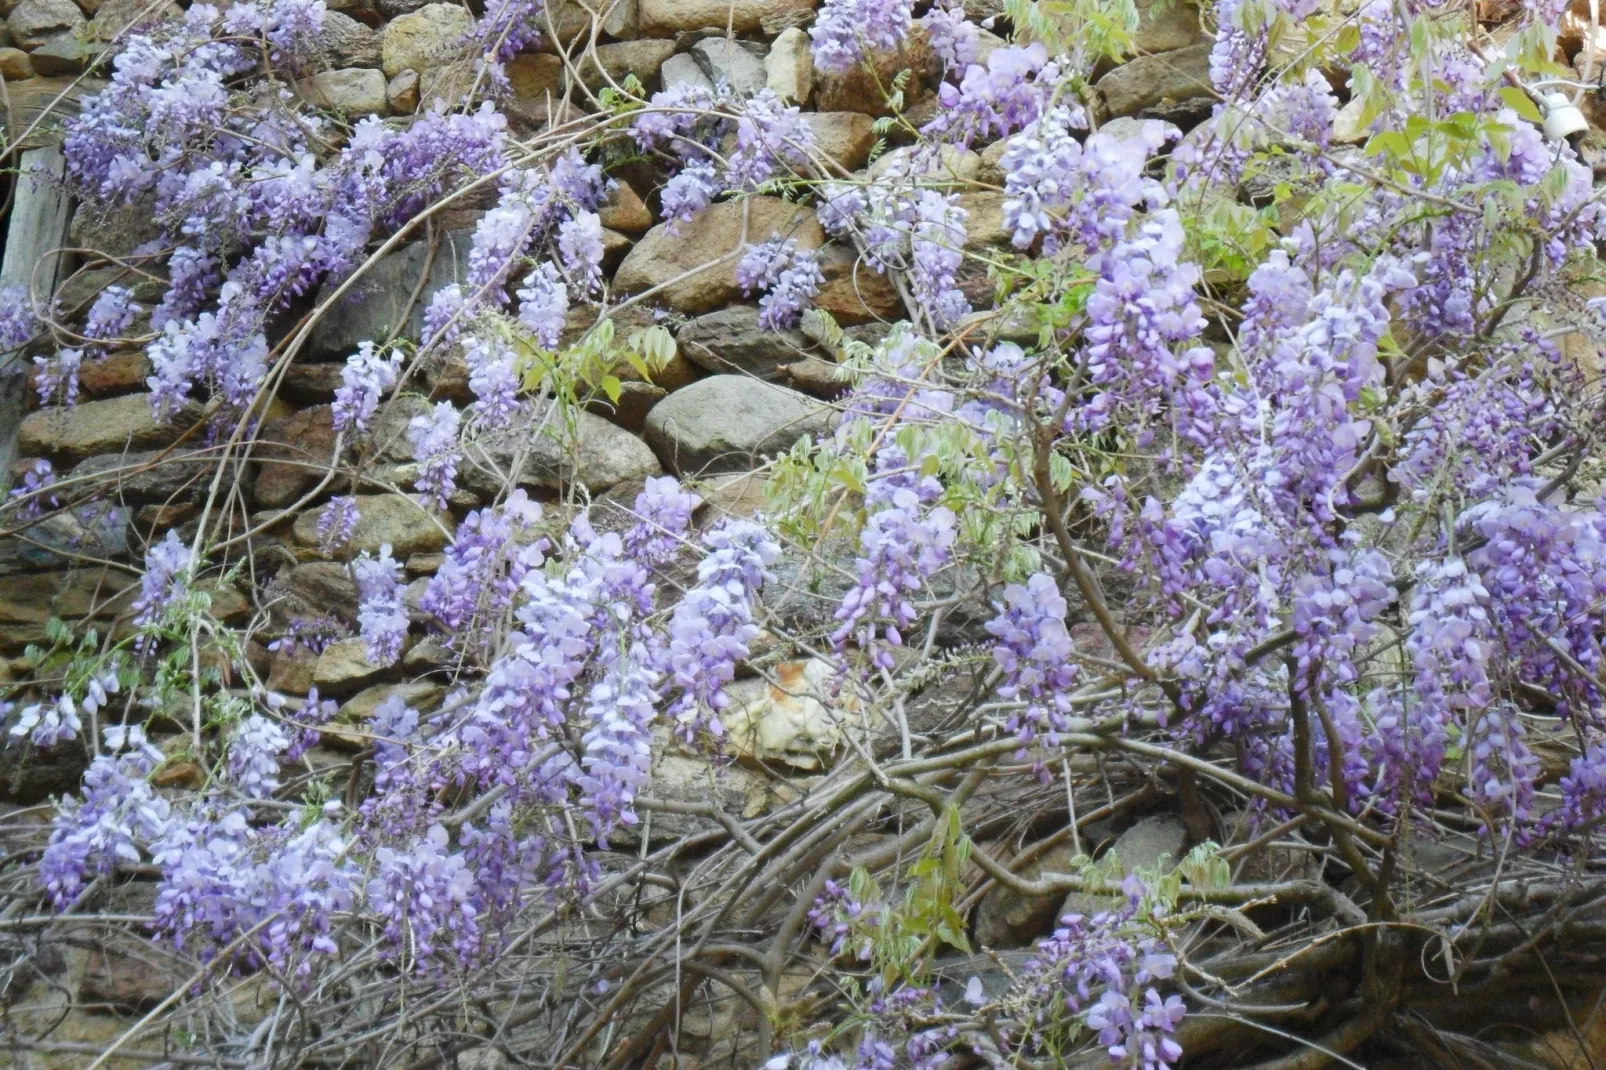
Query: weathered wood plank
[(53, 99), (40, 216)]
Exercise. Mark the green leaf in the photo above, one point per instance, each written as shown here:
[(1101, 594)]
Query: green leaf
[(1520, 102), (612, 387)]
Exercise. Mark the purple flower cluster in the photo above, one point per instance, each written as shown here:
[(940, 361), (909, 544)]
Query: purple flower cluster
[(905, 541), (713, 625), (381, 617), (117, 811), (1033, 651), (18, 324), (846, 32), (165, 581), (365, 378), (544, 304), (665, 510), (337, 522), (790, 278), (484, 566), (433, 435)]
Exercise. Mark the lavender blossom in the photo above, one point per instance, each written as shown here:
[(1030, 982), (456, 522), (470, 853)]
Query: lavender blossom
[(381, 617), (544, 304), (366, 376)]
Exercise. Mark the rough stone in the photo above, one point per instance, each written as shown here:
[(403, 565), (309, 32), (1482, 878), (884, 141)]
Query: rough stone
[(345, 42), (113, 17), (148, 476), (722, 58), (845, 136), (423, 697), (1156, 842), (682, 69), (1007, 919), (95, 529), (789, 67), (352, 91), (107, 426), (854, 292), (448, 86), (1150, 80), (954, 164), (343, 668), (118, 228), (402, 93), (816, 377), (14, 65), (572, 20), (292, 674), (732, 340), (535, 74), (381, 519), (725, 422), (665, 18), (636, 400), (429, 37), (35, 22), (64, 54), (1166, 27), (984, 223), (625, 211), (376, 305), (859, 90), (126, 975), (709, 242), (645, 59), (296, 451), (600, 456), (29, 774), (321, 588)]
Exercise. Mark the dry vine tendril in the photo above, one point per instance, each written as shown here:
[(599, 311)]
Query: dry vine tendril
[(1260, 486)]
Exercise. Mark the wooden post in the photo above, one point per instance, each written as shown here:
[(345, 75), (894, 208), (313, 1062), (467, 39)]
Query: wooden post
[(40, 216)]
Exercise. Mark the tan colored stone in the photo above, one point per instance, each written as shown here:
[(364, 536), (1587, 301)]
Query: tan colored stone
[(107, 426), (811, 375), (952, 164), (644, 59), (704, 250), (625, 211), (665, 18), (292, 673), (789, 68), (14, 65), (424, 697), (402, 93), (845, 136), (1150, 80), (353, 91), (384, 519), (572, 20), (984, 222), (344, 667), (793, 719), (430, 37), (534, 75), (854, 292), (860, 90)]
